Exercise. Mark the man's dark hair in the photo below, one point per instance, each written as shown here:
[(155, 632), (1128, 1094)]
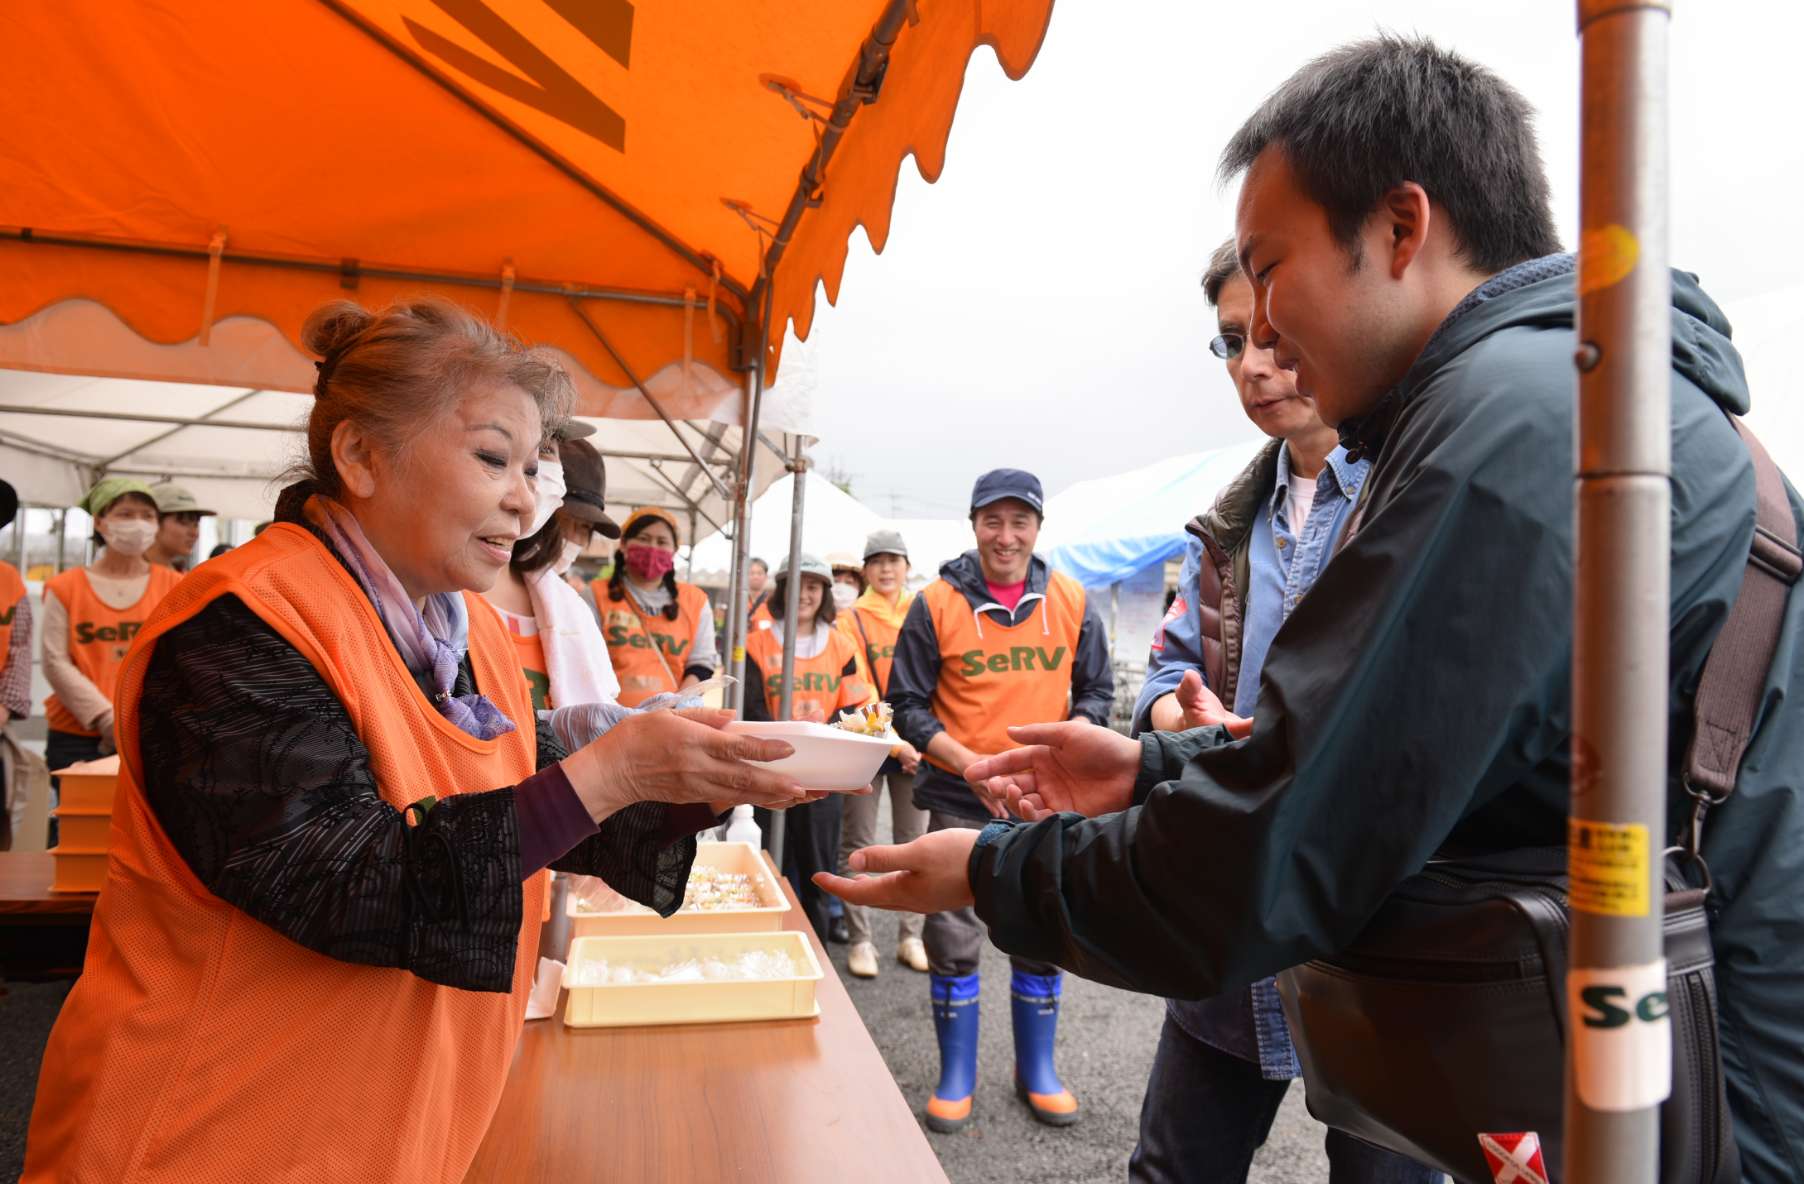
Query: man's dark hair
[(754, 561), (1364, 118), (1224, 265)]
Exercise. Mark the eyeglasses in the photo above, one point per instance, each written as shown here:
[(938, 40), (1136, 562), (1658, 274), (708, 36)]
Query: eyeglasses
[(1228, 346)]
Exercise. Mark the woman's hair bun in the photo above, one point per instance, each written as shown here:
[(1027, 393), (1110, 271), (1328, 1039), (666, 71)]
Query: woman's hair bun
[(334, 326)]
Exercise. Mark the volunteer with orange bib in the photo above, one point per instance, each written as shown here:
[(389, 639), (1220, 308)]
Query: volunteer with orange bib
[(999, 639), (91, 615), (660, 633), (178, 526), (873, 622), (311, 957), (15, 667), (553, 630), (829, 677), (757, 582)]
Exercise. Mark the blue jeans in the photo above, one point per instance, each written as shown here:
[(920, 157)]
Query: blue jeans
[(1207, 1111)]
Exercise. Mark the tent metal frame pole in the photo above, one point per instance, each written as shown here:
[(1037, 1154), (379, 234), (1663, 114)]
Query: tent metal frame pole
[(1621, 594), (633, 377), (792, 595), (738, 614), (354, 269), (161, 436), (687, 505), (43, 448), (863, 82)]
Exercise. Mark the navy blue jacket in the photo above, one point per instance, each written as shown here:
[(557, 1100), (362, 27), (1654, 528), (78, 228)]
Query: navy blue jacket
[(1422, 693)]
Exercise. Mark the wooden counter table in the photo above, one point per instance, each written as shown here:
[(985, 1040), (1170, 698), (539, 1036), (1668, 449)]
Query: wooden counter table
[(43, 934), (788, 1101)]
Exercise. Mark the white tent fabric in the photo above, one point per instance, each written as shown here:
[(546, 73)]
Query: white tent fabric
[(832, 520), (57, 431), (1103, 531)]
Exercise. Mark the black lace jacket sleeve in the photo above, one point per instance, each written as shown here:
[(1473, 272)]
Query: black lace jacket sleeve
[(254, 770)]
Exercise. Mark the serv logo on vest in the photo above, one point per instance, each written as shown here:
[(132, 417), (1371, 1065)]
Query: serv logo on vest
[(803, 683), (87, 633), (624, 631), (974, 663)]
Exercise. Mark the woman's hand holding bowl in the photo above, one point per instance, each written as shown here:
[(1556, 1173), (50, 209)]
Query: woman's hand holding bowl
[(680, 757)]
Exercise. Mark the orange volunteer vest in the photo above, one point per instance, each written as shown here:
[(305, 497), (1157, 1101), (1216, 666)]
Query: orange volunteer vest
[(993, 676), (100, 635), (529, 648), (822, 689), (202, 1047), (649, 651), (875, 632), (12, 591)]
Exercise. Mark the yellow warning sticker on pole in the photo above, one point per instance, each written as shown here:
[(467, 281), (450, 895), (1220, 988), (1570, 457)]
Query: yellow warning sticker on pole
[(1608, 867)]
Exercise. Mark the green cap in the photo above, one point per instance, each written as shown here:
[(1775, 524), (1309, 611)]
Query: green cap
[(174, 499), (108, 490)]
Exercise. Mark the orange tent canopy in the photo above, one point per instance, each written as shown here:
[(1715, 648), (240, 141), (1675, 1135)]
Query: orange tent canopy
[(630, 183)]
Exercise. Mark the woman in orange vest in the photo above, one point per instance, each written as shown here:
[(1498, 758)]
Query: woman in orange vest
[(757, 582), (311, 957), (91, 615), (553, 629), (15, 669), (829, 677), (660, 633), (873, 623)]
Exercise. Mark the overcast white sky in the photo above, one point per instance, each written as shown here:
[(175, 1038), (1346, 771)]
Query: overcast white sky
[(1039, 306)]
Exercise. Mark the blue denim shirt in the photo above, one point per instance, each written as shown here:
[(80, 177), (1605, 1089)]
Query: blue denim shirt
[(1283, 565)]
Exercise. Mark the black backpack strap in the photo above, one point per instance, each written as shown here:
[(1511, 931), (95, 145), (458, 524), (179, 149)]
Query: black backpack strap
[(1729, 691)]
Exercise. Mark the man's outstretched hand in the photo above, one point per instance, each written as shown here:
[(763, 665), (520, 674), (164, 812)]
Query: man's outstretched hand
[(1074, 766), (926, 876), (1202, 708)]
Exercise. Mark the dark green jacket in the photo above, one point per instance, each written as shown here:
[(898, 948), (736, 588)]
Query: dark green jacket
[(1421, 693)]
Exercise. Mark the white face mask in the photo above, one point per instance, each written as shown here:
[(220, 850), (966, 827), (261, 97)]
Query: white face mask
[(549, 485), (844, 596), (132, 536), (567, 559)]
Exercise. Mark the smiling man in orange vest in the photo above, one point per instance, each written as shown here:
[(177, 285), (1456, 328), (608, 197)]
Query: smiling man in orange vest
[(998, 639)]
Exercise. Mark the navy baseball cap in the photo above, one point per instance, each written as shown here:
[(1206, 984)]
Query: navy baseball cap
[(998, 484)]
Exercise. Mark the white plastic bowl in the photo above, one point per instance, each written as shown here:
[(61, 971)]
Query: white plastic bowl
[(825, 758)]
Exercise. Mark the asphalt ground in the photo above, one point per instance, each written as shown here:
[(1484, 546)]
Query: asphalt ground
[(1105, 1050), (1106, 1042)]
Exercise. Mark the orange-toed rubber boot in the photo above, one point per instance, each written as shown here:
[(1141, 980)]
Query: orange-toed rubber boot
[(955, 1024), (1035, 1003)]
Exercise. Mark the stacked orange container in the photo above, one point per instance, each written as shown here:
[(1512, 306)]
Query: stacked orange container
[(84, 819)]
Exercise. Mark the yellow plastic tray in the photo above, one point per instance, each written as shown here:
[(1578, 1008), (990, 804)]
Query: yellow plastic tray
[(732, 857), (78, 869), (88, 785), (641, 1004), (83, 829)]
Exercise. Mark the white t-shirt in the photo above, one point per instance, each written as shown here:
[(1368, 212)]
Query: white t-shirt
[(1301, 498)]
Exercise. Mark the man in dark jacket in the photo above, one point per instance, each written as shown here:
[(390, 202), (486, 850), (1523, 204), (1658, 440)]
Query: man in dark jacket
[(1394, 223), (998, 639), (1224, 1064)]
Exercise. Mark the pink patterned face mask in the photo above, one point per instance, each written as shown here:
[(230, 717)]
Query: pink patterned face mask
[(648, 563)]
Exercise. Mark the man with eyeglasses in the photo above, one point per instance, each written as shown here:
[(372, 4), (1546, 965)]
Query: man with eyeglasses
[(1224, 1064)]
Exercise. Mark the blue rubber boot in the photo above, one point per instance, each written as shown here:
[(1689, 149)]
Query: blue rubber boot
[(955, 1024), (1034, 1000)]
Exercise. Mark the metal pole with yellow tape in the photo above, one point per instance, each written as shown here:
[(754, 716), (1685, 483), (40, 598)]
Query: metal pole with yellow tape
[(1619, 1044)]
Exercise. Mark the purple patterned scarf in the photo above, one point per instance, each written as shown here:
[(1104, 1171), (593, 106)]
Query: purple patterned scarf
[(432, 644)]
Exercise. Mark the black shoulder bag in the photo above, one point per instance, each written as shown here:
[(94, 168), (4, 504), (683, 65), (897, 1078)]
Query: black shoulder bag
[(1439, 1032)]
